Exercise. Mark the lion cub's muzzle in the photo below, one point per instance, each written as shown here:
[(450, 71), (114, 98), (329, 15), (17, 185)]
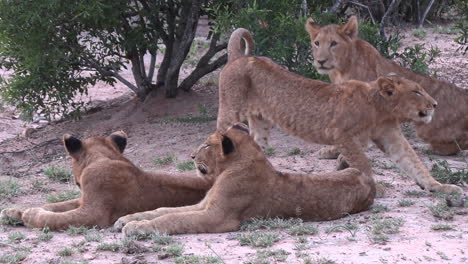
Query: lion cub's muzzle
[(426, 115)]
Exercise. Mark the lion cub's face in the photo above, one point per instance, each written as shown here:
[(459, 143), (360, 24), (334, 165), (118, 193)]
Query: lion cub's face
[(330, 44), (408, 99), (222, 149), (84, 153)]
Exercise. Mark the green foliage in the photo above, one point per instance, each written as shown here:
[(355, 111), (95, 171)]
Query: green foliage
[(387, 47), (441, 210), (278, 30), (417, 58), (381, 227), (269, 256), (65, 252), (442, 227), (270, 223), (442, 173), (8, 188), (194, 259), (405, 203), (462, 39), (16, 236), (114, 247), (13, 258), (58, 174), (419, 33), (164, 161)]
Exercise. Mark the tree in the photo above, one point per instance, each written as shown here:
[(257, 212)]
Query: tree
[(56, 48)]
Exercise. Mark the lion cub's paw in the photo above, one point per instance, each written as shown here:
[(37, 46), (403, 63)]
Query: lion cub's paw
[(138, 228), (11, 216), (122, 221), (32, 214), (447, 189), (342, 163), (328, 152)]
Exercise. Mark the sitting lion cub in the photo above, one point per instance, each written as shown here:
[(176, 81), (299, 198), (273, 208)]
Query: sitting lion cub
[(111, 186), (346, 115), (248, 186)]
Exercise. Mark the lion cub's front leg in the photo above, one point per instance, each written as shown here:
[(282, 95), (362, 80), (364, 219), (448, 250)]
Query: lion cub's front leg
[(328, 152), (260, 130), (150, 215), (204, 221)]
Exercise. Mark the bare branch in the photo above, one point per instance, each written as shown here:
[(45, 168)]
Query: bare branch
[(421, 21), (393, 5), (335, 7), (366, 7)]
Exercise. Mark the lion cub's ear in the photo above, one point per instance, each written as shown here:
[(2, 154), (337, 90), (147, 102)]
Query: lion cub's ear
[(120, 139), (350, 28), (312, 28), (72, 144), (228, 146), (386, 87)]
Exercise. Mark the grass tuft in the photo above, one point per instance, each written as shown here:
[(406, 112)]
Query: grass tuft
[(405, 203), (186, 166), (16, 236), (442, 211), (13, 258), (9, 188), (381, 227), (63, 196), (294, 152), (269, 256), (113, 247), (77, 230), (93, 235), (58, 174), (193, 259), (302, 229), (442, 227), (270, 151), (258, 239), (164, 161), (65, 252), (415, 193)]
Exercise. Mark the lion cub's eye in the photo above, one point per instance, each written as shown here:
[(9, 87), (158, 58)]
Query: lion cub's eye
[(316, 43), (418, 93), (333, 43)]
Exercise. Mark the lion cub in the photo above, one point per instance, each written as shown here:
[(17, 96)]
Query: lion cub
[(248, 186), (346, 115), (111, 187)]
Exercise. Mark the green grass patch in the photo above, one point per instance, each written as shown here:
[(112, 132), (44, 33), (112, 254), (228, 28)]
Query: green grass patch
[(16, 236), (189, 119), (77, 230), (113, 247), (294, 152), (441, 210), (63, 196), (45, 235), (444, 174), (17, 257), (65, 252), (58, 174), (442, 227), (258, 238), (302, 229), (381, 227), (269, 223), (162, 239), (186, 166), (9, 188), (416, 194), (164, 161), (419, 33), (269, 256), (379, 208), (93, 235), (405, 203), (270, 151), (194, 259)]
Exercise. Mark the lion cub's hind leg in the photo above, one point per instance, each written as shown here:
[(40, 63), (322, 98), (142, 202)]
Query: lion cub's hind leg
[(260, 130)]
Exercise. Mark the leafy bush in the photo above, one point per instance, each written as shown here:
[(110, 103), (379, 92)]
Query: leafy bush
[(442, 173), (462, 39)]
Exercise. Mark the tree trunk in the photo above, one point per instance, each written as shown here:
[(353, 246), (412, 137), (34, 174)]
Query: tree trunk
[(421, 21), (185, 34), (393, 5)]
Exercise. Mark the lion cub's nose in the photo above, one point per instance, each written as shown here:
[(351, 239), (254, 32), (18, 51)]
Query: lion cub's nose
[(434, 104), (321, 62), (192, 156)]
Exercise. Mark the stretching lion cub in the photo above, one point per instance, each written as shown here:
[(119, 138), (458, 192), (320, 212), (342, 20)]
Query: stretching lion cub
[(248, 186), (340, 53), (111, 186), (346, 115)]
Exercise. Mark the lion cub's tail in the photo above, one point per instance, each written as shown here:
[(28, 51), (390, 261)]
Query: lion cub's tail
[(234, 46)]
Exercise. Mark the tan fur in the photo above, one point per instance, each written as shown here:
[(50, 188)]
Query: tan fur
[(346, 115), (111, 187), (354, 58), (248, 186)]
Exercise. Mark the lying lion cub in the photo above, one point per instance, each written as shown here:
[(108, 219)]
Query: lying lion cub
[(346, 115), (248, 186), (340, 53), (111, 186)]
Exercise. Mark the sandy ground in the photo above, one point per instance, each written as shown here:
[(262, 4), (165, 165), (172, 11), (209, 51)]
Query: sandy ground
[(152, 134)]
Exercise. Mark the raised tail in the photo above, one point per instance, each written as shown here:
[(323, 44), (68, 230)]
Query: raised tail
[(234, 46)]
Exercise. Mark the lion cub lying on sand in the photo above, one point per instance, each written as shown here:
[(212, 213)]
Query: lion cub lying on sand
[(111, 186), (248, 186), (346, 115)]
